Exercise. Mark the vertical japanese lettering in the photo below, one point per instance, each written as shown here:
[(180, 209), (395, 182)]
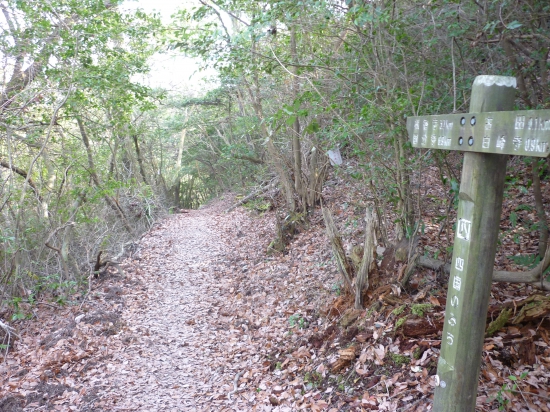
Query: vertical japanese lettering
[(452, 319), (457, 282), (520, 123), (464, 229), (416, 131), (444, 141), (501, 142), (459, 264), (450, 339), (425, 124)]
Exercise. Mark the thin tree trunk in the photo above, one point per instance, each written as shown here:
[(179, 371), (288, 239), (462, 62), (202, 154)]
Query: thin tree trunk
[(189, 195), (276, 158), (317, 173), (344, 265), (249, 139), (139, 159), (180, 150), (50, 185), (113, 204), (114, 148), (362, 280), (177, 186), (296, 144), (24, 175), (539, 205)]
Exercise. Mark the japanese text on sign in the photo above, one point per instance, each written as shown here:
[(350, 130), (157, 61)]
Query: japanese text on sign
[(524, 132)]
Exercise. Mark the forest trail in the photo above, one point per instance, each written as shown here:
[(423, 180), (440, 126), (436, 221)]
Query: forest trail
[(198, 319), (175, 359), (202, 319)]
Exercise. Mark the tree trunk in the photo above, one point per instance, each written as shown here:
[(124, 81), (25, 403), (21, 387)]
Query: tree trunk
[(404, 205), (188, 202), (276, 161), (539, 205), (344, 265), (317, 173), (275, 158), (362, 280), (23, 174), (113, 204), (176, 189), (296, 144), (180, 150), (139, 159)]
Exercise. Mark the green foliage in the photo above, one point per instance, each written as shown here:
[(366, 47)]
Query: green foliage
[(297, 320), (18, 312), (500, 398), (313, 379), (399, 310), (528, 260), (258, 205), (60, 288), (79, 59), (352, 91), (400, 322), (336, 288), (399, 360), (420, 309)]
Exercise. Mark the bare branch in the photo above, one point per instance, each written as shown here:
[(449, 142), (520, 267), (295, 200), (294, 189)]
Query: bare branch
[(231, 14), (219, 18), (23, 174)]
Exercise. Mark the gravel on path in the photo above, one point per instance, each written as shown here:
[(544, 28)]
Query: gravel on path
[(178, 356)]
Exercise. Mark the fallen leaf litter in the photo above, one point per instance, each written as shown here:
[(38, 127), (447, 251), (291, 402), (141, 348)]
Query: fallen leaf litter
[(204, 320)]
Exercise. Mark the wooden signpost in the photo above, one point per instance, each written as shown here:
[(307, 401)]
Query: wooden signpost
[(487, 135)]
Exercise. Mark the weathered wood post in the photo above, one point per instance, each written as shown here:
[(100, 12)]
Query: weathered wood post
[(487, 135), (478, 222)]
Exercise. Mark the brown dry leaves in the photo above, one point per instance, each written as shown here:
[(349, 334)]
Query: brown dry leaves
[(205, 320)]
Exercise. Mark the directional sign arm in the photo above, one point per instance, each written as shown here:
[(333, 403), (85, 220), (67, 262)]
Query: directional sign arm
[(524, 133)]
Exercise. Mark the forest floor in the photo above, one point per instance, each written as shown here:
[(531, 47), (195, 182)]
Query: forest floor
[(203, 319)]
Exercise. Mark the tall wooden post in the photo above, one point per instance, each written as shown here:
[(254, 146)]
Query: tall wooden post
[(478, 221), (486, 135)]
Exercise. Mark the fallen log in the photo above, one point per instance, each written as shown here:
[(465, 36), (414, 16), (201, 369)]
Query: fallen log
[(535, 307), (433, 264), (251, 196), (533, 277), (420, 327)]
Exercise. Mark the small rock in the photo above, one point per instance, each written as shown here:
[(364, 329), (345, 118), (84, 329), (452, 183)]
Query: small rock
[(278, 390)]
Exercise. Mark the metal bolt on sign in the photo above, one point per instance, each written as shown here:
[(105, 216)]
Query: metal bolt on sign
[(486, 135)]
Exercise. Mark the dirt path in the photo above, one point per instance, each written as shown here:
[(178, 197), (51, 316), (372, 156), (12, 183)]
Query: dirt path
[(175, 357), (198, 320), (200, 309)]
